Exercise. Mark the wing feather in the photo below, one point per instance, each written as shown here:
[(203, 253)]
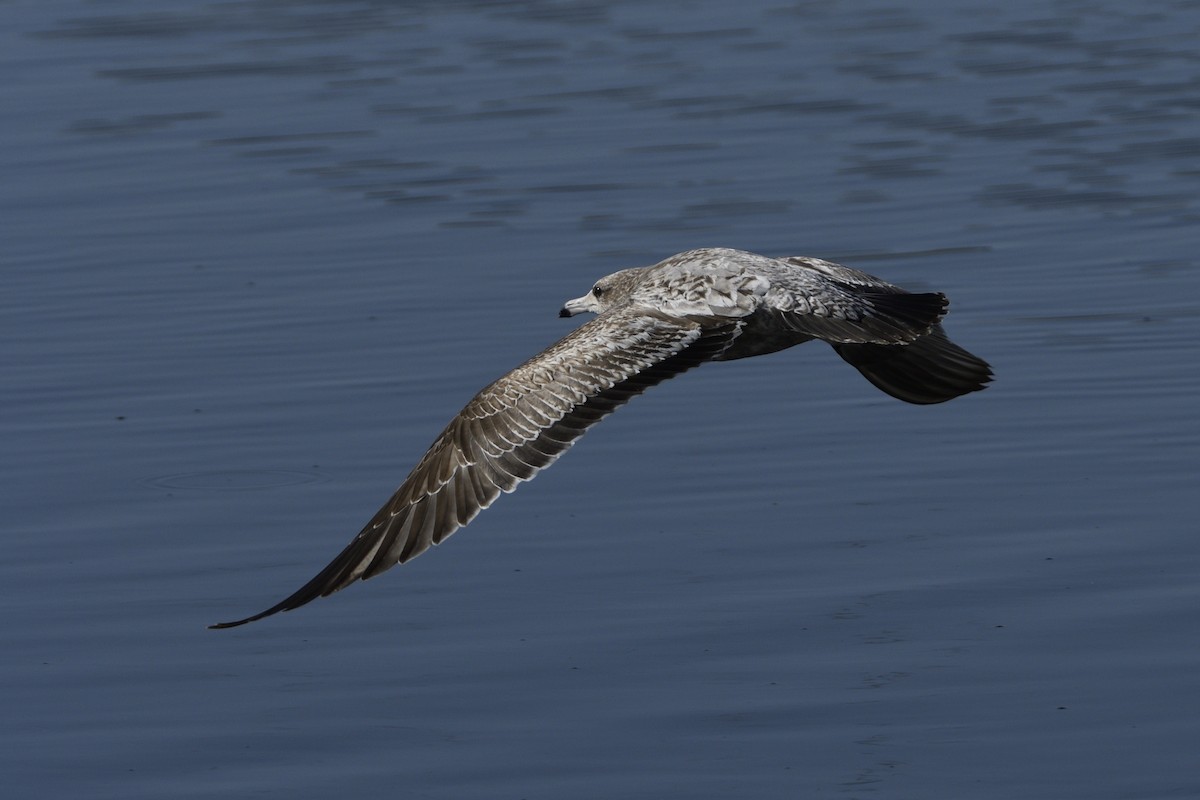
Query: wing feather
[(922, 370), (828, 301), (514, 428), (932, 369)]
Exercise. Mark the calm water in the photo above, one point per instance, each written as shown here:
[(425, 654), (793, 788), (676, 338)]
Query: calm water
[(257, 253)]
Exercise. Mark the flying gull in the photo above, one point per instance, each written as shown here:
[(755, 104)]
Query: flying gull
[(652, 323)]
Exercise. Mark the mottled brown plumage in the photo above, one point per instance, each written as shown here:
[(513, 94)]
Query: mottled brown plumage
[(653, 323)]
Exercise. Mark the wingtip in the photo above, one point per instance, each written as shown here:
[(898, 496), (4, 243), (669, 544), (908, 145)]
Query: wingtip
[(217, 626)]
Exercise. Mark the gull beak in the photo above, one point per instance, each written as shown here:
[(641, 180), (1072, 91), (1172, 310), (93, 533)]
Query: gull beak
[(578, 306)]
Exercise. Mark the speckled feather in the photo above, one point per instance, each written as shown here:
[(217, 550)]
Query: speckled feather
[(653, 323)]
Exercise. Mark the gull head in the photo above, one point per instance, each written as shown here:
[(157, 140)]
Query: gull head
[(607, 292)]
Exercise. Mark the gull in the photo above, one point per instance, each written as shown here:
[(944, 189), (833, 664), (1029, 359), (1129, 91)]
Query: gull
[(651, 324)]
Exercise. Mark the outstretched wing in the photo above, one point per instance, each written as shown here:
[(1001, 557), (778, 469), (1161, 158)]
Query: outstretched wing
[(925, 370), (513, 429), (823, 300), (930, 370)]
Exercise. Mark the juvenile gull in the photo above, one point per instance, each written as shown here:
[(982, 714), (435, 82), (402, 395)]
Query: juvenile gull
[(652, 323)]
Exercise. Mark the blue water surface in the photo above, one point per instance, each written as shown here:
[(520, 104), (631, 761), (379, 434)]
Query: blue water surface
[(257, 253)]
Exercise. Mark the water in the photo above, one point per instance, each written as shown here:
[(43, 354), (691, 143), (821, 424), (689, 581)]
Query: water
[(257, 253)]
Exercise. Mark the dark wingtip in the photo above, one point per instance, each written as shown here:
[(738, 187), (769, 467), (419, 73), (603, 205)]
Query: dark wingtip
[(931, 370), (338, 574), (222, 625), (915, 312)]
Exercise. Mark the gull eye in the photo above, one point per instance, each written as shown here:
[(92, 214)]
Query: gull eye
[(597, 290)]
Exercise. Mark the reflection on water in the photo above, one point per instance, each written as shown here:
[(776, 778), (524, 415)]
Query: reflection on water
[(273, 246)]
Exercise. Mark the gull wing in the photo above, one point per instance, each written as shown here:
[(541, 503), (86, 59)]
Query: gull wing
[(925, 370), (513, 429), (823, 300), (930, 370)]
